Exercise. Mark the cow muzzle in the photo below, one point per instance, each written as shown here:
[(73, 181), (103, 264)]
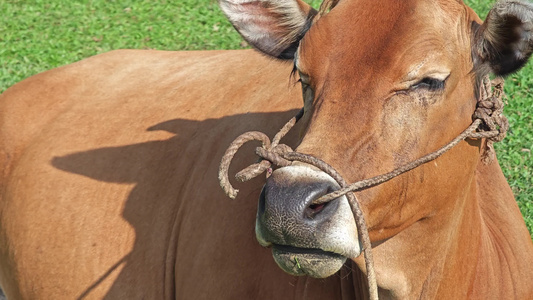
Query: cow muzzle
[(306, 239)]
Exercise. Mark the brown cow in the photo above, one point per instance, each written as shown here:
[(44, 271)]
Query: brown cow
[(109, 187)]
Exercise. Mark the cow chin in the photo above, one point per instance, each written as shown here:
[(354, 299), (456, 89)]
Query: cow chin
[(305, 239), (312, 262)]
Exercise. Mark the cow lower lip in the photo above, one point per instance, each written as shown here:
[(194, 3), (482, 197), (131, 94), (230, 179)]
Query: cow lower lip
[(303, 261)]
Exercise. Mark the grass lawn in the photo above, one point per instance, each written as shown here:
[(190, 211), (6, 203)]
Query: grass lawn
[(36, 35)]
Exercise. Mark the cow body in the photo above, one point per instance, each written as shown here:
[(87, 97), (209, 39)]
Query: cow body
[(109, 186), (109, 180)]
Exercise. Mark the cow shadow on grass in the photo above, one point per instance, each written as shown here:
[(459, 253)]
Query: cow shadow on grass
[(176, 186)]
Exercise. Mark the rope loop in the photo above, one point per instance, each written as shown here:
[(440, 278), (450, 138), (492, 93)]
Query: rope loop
[(270, 153)]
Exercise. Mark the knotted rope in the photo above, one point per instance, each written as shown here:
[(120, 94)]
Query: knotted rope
[(488, 122), (490, 111)]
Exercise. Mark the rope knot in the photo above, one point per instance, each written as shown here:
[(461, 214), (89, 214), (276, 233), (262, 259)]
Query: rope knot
[(269, 156), (489, 110)]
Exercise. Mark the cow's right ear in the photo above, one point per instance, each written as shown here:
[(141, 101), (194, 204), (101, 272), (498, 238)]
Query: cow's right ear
[(274, 27), (504, 42)]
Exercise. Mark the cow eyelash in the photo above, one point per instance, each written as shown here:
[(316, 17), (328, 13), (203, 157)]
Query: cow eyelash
[(295, 81), (294, 75), (430, 84), (294, 71)]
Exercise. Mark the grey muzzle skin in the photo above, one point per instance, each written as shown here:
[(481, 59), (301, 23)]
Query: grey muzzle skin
[(306, 239)]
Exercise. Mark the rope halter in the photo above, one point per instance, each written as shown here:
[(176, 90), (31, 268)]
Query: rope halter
[(489, 123)]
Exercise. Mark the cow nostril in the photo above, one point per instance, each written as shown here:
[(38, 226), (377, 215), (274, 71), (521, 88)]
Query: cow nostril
[(313, 210), (317, 207)]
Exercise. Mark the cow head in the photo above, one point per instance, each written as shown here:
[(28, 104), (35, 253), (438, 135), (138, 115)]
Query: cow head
[(384, 83)]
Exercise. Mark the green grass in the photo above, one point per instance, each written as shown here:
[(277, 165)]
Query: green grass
[(36, 35), (514, 152)]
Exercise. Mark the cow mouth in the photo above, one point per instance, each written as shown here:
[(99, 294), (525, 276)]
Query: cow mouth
[(307, 261)]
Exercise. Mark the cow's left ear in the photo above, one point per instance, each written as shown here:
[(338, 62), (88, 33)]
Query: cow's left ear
[(504, 42), (274, 27)]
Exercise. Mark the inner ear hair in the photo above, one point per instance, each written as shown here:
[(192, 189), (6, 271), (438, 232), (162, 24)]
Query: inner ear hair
[(273, 27), (504, 43)]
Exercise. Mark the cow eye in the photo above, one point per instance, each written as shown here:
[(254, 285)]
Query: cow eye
[(430, 84), (304, 80), (307, 91), (304, 84)]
